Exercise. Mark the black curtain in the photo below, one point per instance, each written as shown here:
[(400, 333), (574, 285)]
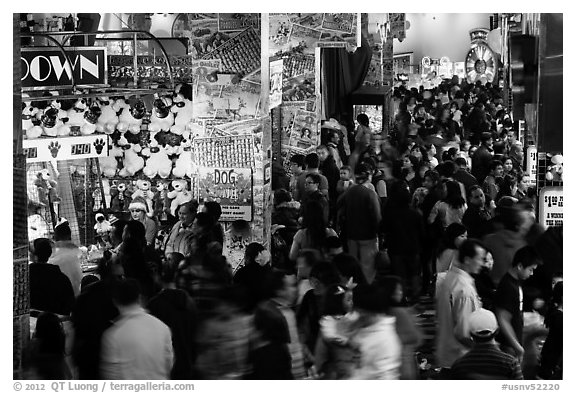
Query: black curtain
[(343, 73)]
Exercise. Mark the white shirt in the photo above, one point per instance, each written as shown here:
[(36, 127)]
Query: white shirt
[(67, 257), (455, 301), (138, 346)]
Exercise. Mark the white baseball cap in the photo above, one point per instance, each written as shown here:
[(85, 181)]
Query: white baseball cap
[(482, 323)]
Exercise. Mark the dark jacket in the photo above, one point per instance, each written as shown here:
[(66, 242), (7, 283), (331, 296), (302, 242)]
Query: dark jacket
[(481, 160), (175, 308), (50, 289), (360, 208)]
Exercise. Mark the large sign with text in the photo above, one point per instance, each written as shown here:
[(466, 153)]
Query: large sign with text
[(230, 187), (551, 207), (49, 67)]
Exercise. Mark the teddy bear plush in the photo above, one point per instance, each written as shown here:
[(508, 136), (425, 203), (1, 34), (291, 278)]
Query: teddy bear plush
[(144, 191), (555, 171), (179, 195), (184, 164), (131, 120), (158, 162), (76, 115), (161, 201), (29, 113), (108, 119), (120, 197), (182, 107), (109, 164), (162, 117), (133, 162), (52, 125), (90, 119), (46, 188)]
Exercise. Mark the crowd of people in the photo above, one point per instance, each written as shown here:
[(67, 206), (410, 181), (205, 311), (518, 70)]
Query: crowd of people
[(363, 229)]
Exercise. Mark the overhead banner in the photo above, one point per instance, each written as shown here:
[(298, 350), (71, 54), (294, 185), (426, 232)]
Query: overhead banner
[(65, 148), (230, 187), (49, 67), (551, 207)]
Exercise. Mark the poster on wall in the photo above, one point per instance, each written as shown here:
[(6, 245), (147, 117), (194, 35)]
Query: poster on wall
[(289, 110), (532, 164), (343, 23), (226, 101), (299, 88), (397, 25), (276, 68), (230, 187), (304, 38), (240, 54), (551, 207), (304, 133), (235, 22), (227, 151)]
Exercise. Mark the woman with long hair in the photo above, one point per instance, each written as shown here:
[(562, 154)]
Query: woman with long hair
[(451, 207), (313, 232)]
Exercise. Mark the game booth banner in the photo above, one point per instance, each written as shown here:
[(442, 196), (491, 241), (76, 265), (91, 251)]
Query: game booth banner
[(551, 207), (230, 187)]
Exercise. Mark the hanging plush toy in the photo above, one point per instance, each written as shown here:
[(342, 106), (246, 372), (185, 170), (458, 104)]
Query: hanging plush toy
[(182, 107), (76, 115), (90, 119), (108, 119), (46, 188), (184, 164), (109, 164), (161, 201), (144, 191), (158, 162), (162, 117), (29, 119), (556, 170), (179, 195), (133, 162), (131, 120)]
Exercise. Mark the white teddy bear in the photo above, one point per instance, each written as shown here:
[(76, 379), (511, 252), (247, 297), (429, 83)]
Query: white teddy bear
[(108, 118), (182, 107), (29, 114), (144, 190), (184, 164), (109, 164), (162, 117), (131, 119), (76, 113), (179, 194), (158, 162), (132, 160)]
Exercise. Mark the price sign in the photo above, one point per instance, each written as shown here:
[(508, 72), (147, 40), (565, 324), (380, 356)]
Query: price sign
[(551, 207), (66, 148), (532, 164)]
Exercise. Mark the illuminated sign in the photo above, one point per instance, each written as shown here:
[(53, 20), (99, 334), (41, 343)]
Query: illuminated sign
[(47, 67)]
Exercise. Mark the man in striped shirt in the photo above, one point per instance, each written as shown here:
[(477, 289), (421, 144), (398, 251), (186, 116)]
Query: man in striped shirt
[(485, 360)]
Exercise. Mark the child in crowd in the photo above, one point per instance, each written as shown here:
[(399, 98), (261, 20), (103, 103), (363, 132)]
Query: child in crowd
[(345, 181)]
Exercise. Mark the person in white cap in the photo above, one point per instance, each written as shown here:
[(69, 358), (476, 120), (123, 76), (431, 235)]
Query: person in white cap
[(139, 212), (485, 360)]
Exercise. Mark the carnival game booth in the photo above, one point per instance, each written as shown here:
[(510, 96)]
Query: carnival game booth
[(124, 120)]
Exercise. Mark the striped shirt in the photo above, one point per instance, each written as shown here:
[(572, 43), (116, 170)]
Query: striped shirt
[(179, 240), (486, 361)]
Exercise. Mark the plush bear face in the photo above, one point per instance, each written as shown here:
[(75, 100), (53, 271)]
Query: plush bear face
[(143, 185), (44, 175), (179, 185)]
